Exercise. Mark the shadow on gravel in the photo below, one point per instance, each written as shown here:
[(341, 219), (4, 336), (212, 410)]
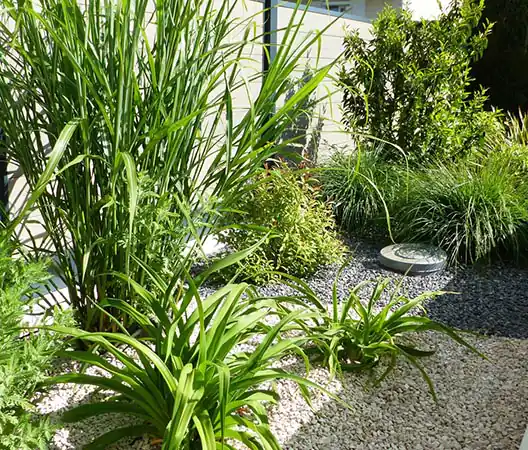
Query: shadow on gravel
[(490, 300)]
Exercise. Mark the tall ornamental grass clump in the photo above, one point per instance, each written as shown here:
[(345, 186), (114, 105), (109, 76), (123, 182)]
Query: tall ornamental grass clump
[(157, 140), (472, 210)]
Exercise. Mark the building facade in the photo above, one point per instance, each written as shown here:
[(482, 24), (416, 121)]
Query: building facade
[(370, 8)]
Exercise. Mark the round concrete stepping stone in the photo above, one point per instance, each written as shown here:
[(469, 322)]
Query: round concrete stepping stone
[(413, 258)]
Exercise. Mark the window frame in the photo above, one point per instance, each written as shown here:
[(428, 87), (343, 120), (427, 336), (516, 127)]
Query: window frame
[(328, 12)]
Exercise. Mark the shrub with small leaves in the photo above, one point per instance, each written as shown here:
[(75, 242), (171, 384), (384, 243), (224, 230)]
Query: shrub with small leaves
[(410, 84), (284, 208)]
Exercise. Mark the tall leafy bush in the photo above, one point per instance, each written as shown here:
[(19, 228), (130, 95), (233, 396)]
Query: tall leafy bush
[(153, 92), (410, 84)]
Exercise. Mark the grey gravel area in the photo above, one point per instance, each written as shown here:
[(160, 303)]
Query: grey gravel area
[(491, 300), (364, 266), (481, 404), (76, 435)]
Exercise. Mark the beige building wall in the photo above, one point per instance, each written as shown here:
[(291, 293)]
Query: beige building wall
[(323, 53)]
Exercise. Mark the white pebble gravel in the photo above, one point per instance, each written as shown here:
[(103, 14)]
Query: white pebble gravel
[(481, 404)]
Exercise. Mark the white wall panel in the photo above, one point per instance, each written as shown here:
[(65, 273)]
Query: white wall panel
[(324, 52)]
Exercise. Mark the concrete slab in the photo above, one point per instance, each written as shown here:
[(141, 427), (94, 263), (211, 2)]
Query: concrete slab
[(524, 443)]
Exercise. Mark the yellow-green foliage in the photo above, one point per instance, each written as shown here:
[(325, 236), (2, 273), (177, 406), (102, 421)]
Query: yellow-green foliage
[(301, 237)]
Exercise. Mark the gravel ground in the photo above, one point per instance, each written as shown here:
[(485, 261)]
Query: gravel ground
[(491, 300), (481, 404)]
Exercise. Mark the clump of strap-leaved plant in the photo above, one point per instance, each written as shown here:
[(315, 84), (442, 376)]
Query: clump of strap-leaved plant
[(373, 323), (191, 376)]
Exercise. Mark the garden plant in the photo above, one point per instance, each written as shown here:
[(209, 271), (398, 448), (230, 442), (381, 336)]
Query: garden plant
[(193, 378), (150, 156), (473, 210), (25, 356), (354, 334), (152, 91), (410, 84), (122, 118), (360, 186), (456, 176), (284, 207)]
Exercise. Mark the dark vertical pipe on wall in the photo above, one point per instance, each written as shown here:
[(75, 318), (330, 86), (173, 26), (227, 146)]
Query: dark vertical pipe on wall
[(270, 34), (269, 48), (4, 192)]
